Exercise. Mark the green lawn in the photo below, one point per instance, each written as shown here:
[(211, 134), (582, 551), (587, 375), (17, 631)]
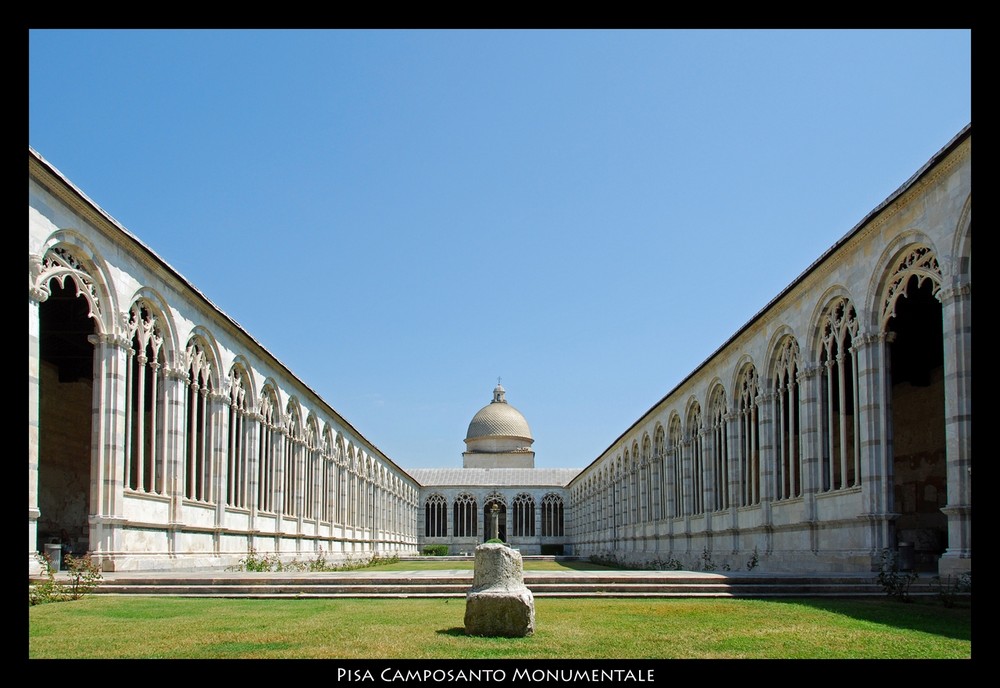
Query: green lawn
[(163, 627)]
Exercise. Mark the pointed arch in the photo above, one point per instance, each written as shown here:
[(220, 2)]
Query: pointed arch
[(67, 255), (748, 435), (675, 439), (693, 440), (552, 515), (524, 515), (786, 419), (239, 429), (269, 419), (466, 516), (146, 391), (719, 438), (199, 429), (840, 435), (435, 516)]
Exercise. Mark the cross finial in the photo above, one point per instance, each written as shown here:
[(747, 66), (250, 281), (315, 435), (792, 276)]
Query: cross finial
[(498, 379)]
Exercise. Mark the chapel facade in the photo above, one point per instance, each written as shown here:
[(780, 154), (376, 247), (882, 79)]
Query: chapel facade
[(498, 474), (836, 424)]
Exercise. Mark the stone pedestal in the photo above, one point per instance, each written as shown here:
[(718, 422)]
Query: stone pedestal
[(499, 604)]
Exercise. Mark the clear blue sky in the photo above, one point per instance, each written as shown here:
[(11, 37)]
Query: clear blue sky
[(402, 216)]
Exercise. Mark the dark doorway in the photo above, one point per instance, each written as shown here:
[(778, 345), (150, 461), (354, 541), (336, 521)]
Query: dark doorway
[(66, 384), (501, 519), (916, 361)]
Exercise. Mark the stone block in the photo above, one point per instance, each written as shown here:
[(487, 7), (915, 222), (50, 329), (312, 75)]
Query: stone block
[(499, 603)]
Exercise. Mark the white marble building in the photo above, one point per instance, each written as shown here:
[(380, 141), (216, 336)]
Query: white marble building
[(160, 433), (834, 424), (498, 468)]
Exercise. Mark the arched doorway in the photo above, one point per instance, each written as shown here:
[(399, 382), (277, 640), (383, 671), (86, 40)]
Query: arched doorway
[(501, 518), (917, 400), (66, 383)]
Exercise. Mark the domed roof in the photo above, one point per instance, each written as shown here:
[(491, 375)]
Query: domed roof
[(498, 419)]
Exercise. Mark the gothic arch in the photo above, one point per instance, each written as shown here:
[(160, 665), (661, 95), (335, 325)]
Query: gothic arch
[(818, 318), (207, 341), (158, 307), (912, 253), (68, 255)]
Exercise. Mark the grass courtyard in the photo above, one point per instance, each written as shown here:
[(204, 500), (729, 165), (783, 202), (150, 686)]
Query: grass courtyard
[(112, 627)]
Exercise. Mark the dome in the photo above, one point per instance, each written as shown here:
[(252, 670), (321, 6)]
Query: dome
[(499, 419)]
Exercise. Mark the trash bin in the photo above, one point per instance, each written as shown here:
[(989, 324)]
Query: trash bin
[(54, 553), (905, 561)]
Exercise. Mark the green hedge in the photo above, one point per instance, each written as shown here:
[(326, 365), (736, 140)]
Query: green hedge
[(435, 550)]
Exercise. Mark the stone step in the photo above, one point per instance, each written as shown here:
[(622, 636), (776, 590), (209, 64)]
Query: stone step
[(457, 587)]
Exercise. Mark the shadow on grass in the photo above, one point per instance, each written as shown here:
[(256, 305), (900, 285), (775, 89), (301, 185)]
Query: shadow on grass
[(455, 631), (921, 614)]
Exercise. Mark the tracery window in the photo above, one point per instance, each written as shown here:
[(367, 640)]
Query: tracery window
[(328, 485), (552, 515), (676, 466), (695, 446), (267, 438), (144, 423), (524, 515), (659, 488), (749, 438), (788, 464), (840, 453), (237, 484), (199, 430), (720, 450), (311, 477), (466, 519), (292, 462)]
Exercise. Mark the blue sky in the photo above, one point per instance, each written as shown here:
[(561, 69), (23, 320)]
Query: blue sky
[(402, 216)]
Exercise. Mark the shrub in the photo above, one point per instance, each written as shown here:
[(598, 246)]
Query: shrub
[(84, 577), (948, 589), (753, 561), (895, 583), (495, 541), (435, 550)]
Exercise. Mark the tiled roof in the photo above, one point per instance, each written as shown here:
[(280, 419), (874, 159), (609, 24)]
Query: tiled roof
[(500, 477)]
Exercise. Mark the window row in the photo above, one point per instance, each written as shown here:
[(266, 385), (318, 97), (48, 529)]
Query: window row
[(465, 516)]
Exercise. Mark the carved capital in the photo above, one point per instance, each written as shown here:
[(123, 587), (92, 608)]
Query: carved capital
[(954, 293)]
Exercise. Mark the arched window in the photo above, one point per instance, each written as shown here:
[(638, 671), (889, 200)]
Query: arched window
[(749, 438), (436, 516), (237, 491), (552, 515), (311, 477), (267, 437), (144, 424), (198, 432), (840, 451), (466, 516), (697, 459), (676, 466), (292, 462), (720, 449), (524, 515), (328, 485), (659, 472), (788, 465)]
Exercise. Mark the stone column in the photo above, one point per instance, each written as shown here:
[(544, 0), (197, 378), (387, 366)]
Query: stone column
[(35, 297), (956, 316), (175, 450), (810, 450), (108, 449), (768, 461), (873, 376)]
